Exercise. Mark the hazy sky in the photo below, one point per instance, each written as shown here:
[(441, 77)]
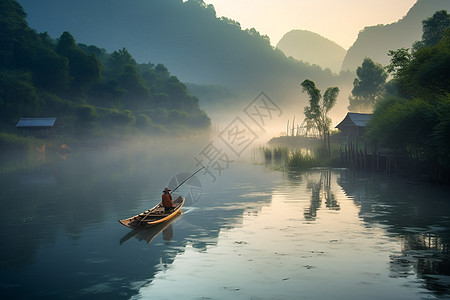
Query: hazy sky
[(337, 20)]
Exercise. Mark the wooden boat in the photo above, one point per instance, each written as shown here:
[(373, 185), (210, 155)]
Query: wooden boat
[(153, 216)]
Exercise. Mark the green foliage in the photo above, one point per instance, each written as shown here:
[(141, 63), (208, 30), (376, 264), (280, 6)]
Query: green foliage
[(84, 69), (400, 59), (441, 132), (143, 122), (86, 113), (368, 87), (425, 74), (22, 48), (433, 29), (267, 153), (11, 142), (300, 160), (18, 96), (317, 111), (394, 125), (280, 153), (13, 29), (418, 123), (84, 87)]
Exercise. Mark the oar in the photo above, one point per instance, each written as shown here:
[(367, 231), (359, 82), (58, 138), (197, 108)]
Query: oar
[(174, 190)]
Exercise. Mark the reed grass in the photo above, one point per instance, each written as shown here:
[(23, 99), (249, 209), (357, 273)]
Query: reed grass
[(280, 153), (12, 142), (267, 153), (301, 160)]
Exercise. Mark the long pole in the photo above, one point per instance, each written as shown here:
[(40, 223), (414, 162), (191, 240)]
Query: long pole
[(187, 179)]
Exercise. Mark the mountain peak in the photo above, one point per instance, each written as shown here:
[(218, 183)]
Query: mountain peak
[(375, 41), (310, 47)]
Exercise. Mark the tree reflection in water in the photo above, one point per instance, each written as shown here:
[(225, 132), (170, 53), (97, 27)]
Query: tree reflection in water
[(426, 255), (320, 189), (417, 214)]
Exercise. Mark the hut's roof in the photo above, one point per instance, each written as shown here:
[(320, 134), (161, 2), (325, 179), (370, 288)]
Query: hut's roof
[(354, 119), (36, 122)]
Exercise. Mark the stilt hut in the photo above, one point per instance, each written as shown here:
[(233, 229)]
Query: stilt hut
[(37, 127), (353, 147)]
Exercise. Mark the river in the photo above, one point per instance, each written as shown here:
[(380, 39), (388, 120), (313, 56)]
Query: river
[(249, 232)]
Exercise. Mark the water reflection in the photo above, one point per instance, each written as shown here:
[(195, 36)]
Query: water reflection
[(148, 234), (418, 215), (248, 222), (67, 225), (321, 191)]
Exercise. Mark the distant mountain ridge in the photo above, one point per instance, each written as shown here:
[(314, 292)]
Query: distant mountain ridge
[(374, 42), (312, 48), (185, 36)]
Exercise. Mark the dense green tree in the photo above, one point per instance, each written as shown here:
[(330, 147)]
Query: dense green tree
[(317, 111), (400, 59), (121, 68), (433, 29), (13, 31), (84, 69), (50, 71), (424, 73), (395, 125), (149, 75), (39, 76), (368, 87), (417, 124), (118, 61), (441, 132), (18, 97), (107, 94), (22, 48), (162, 71)]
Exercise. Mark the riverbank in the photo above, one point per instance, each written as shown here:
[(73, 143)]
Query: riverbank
[(294, 152)]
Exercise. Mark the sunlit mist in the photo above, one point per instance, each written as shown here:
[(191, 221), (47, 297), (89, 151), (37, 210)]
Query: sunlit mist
[(337, 20)]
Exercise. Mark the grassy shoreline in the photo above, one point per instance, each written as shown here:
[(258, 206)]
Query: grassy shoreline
[(301, 158)]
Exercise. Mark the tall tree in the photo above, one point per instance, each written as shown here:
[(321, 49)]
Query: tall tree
[(368, 87), (317, 111), (424, 73), (84, 68), (433, 29), (400, 59), (18, 97), (13, 31)]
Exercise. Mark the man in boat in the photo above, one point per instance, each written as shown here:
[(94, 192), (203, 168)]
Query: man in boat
[(167, 200)]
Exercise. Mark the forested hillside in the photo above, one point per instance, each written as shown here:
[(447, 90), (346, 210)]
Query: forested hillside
[(376, 41), (90, 91), (187, 37)]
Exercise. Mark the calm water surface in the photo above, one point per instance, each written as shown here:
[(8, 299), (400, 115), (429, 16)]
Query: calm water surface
[(254, 233)]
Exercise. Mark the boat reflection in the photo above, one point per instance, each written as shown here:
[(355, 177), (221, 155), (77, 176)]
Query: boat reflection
[(147, 234)]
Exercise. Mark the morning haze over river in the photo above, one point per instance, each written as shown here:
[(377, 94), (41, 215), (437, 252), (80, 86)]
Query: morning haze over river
[(309, 170)]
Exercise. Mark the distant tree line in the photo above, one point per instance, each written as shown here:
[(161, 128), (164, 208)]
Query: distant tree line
[(87, 89), (413, 116)]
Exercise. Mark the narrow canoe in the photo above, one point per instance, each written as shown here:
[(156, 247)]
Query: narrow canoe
[(153, 216)]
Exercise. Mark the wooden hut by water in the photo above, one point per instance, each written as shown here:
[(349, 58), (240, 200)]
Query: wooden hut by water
[(37, 127), (355, 151), (353, 146), (353, 127)]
